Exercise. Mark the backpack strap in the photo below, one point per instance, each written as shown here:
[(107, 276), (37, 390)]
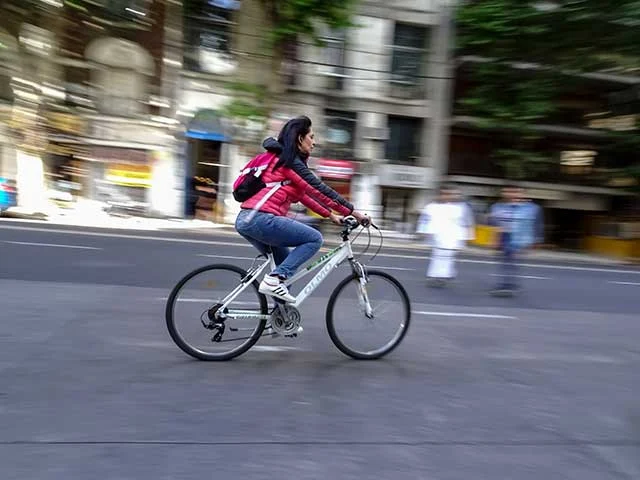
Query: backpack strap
[(258, 170), (274, 187)]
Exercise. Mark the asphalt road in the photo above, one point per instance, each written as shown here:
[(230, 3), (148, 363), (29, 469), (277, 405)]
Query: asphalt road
[(543, 385)]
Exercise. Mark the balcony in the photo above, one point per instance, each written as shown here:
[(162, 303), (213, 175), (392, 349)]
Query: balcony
[(406, 89)]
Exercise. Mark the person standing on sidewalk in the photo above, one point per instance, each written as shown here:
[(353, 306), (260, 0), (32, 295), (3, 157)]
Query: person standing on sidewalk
[(520, 226), (447, 222)]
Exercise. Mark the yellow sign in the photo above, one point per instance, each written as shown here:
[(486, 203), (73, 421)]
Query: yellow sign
[(129, 175), (64, 122)]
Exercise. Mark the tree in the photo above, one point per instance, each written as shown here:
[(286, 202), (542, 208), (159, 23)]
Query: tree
[(279, 25), (528, 53)]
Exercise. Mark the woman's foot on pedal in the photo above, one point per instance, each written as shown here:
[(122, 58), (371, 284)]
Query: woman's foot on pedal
[(272, 285)]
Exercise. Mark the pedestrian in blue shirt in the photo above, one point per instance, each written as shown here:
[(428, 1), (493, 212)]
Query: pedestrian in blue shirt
[(520, 226)]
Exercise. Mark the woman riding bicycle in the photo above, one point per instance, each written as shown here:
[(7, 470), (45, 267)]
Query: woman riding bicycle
[(269, 228)]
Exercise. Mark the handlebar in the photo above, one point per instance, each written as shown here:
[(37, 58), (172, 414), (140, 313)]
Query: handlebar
[(351, 223)]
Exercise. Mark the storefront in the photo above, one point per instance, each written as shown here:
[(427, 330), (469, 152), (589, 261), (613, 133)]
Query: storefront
[(337, 174), (206, 173), (111, 162), (403, 194), (121, 175), (64, 170)]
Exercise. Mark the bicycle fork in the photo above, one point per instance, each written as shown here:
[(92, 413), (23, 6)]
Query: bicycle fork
[(363, 296)]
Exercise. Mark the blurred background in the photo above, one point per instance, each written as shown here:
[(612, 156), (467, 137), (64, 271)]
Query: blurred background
[(149, 108), (123, 124)]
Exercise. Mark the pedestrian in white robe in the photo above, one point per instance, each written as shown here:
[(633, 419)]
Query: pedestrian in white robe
[(448, 223)]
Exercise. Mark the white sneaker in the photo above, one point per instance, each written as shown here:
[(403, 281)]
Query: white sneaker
[(273, 287)]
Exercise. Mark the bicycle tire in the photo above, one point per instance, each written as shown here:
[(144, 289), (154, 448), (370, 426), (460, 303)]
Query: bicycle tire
[(330, 317), (188, 349)]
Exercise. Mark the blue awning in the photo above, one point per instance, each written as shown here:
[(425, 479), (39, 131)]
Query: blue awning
[(207, 125), (213, 136)]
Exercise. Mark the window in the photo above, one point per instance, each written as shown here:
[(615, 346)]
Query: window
[(403, 145), (123, 77), (79, 93), (409, 43), (8, 64), (290, 62), (339, 139), (6, 92), (207, 35), (334, 57), (123, 10)]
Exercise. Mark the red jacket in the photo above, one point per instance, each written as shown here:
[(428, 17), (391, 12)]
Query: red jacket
[(304, 187)]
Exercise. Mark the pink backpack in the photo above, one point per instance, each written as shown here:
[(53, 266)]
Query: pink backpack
[(249, 182)]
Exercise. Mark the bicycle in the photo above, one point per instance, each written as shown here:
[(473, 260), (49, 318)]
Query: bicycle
[(223, 317)]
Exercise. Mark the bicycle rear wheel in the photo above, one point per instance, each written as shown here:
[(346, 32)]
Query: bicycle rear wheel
[(345, 312), (191, 313)]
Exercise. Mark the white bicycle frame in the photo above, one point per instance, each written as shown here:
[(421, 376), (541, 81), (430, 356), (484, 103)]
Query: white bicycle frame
[(328, 262)]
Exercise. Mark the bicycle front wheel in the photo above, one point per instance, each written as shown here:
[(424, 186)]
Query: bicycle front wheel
[(368, 319), (192, 307)]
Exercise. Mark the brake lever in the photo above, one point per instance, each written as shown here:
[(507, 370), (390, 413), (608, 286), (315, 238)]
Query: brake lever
[(369, 223)]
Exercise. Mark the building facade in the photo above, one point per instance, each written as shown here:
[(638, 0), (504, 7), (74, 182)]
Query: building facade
[(88, 106), (583, 189), (377, 95)]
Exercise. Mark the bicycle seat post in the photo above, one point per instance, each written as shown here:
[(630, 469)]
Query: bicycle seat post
[(271, 258)]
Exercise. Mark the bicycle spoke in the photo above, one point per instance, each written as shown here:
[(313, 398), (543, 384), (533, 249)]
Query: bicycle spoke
[(379, 333), (202, 327)]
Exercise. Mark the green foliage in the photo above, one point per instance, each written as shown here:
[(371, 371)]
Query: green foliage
[(584, 35), (243, 109), (519, 164), (259, 92), (575, 36), (289, 20), (292, 18)]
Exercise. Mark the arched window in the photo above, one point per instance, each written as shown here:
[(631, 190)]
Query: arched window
[(122, 75)]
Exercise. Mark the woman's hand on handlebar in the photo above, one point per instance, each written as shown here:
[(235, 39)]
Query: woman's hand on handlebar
[(362, 218), (337, 219)]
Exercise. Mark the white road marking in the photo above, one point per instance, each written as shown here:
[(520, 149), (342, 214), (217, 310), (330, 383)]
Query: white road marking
[(637, 284), (381, 267), (270, 348), (128, 236), (232, 257), (143, 343), (247, 245), (32, 244), (532, 277), (558, 357), (463, 314), (228, 257), (555, 267), (205, 300)]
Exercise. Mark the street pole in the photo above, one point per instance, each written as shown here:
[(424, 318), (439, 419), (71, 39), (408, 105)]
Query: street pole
[(442, 81)]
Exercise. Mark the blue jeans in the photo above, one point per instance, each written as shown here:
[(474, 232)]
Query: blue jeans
[(268, 232), (508, 268)]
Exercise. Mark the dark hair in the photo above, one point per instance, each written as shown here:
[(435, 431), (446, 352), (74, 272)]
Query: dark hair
[(289, 137)]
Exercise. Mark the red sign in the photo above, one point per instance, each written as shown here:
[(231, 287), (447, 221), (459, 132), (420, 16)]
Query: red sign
[(335, 169)]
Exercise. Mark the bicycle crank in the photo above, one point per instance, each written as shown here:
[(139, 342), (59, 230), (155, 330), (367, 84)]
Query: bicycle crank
[(285, 320)]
